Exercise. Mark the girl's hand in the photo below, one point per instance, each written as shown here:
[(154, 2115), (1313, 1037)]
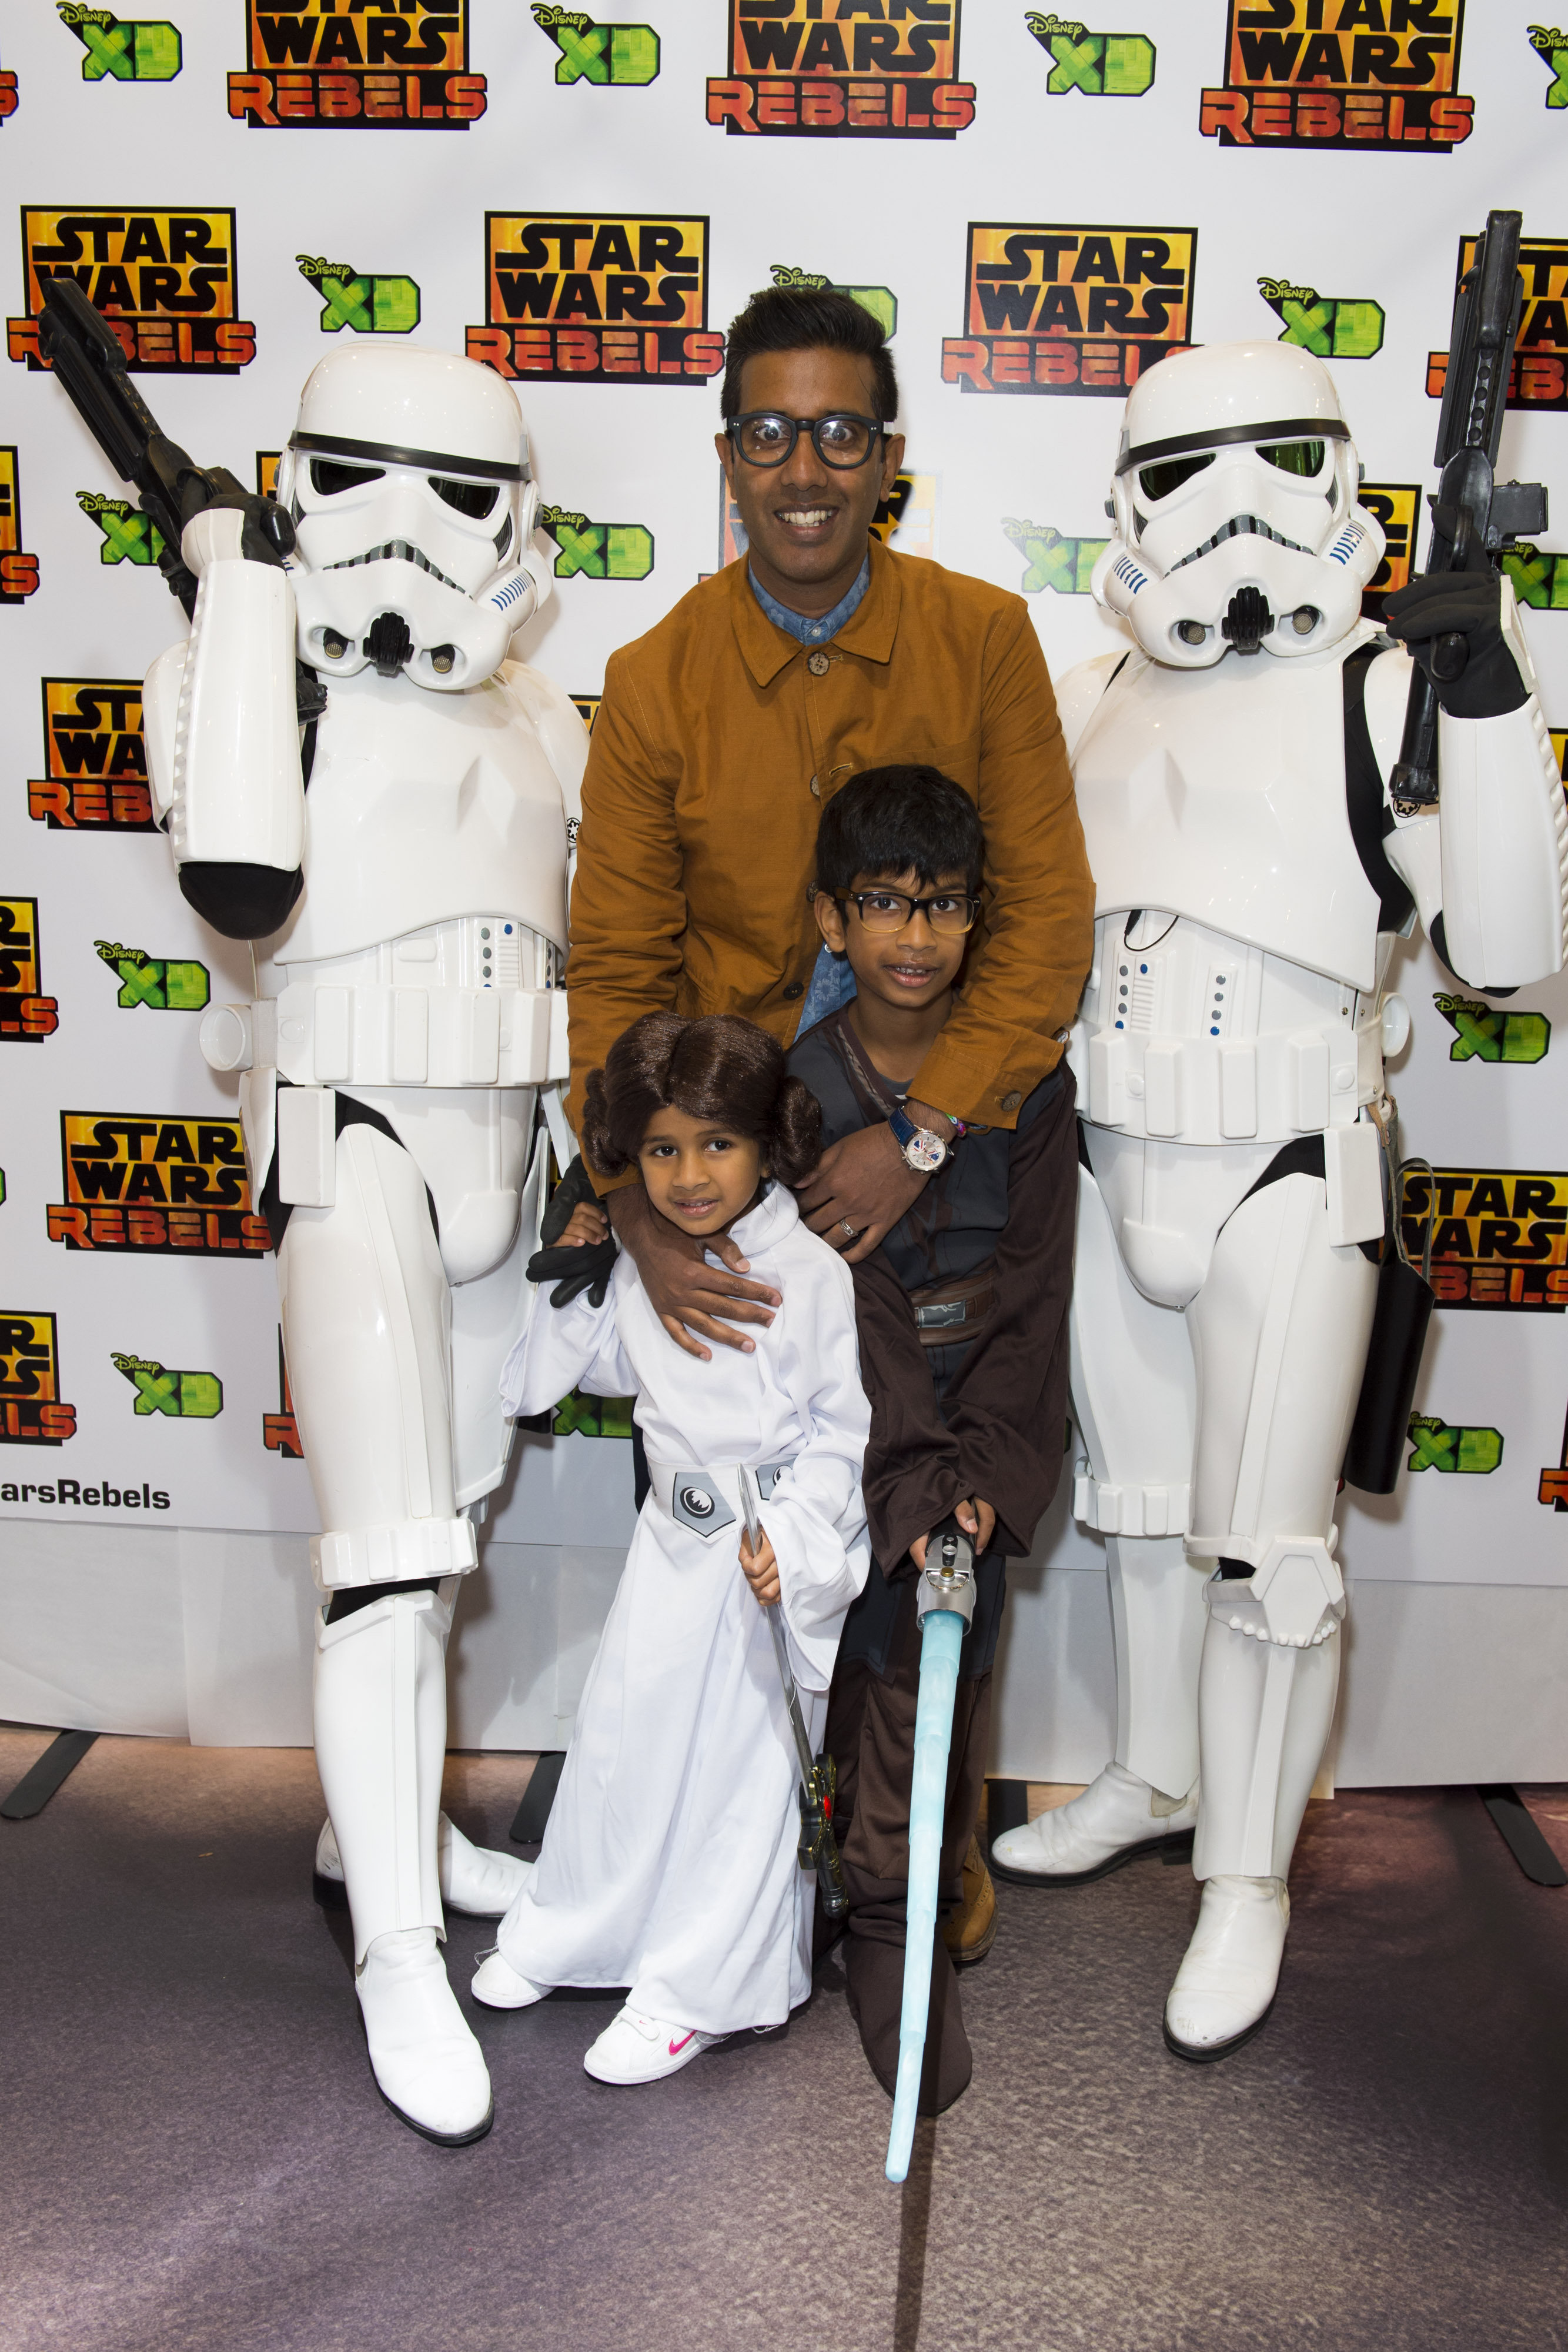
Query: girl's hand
[(587, 1224), (976, 1519), (761, 1573)]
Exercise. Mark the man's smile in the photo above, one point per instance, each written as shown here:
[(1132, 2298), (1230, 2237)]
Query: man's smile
[(806, 518)]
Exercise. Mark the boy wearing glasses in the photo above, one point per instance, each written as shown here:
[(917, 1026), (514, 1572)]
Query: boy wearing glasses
[(961, 1312)]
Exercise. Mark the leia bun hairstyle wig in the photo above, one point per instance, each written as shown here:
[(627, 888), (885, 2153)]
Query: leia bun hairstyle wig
[(720, 1068)]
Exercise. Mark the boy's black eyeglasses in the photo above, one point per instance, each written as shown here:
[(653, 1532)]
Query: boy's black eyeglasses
[(763, 437), (891, 911)]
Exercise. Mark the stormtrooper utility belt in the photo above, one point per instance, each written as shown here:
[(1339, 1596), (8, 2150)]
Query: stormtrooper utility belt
[(1232, 1090), (708, 1500), (365, 1035)]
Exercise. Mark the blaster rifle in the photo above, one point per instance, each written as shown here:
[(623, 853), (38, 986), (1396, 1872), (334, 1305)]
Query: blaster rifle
[(172, 490), (1475, 519)]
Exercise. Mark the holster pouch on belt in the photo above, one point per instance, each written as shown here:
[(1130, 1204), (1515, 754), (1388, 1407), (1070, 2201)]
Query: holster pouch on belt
[(1399, 1321), (946, 1314)]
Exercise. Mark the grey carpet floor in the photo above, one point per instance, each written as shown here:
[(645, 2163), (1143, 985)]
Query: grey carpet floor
[(192, 2154)]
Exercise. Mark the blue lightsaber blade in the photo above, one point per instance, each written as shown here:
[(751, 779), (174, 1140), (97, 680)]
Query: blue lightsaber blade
[(946, 1605)]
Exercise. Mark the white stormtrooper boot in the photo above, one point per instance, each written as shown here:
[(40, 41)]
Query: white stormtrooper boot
[(477, 1880), (1147, 1799), (381, 1743), (1266, 1706), (1117, 1819)]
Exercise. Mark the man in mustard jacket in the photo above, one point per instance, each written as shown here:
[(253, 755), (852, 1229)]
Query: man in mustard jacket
[(724, 732)]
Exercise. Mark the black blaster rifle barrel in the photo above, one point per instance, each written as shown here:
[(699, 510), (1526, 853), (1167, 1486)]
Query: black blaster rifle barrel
[(1472, 520)]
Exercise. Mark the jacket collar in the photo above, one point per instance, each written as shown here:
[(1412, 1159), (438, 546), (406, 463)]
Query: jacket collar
[(870, 630), (765, 1226)]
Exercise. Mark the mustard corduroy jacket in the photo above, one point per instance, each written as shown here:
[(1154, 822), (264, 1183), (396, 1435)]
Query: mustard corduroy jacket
[(717, 744)]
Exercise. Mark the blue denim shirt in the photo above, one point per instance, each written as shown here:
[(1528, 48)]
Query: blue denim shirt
[(832, 982), (806, 631)]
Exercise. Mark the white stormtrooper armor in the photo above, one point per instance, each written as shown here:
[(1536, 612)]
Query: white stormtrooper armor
[(401, 866), (1232, 772)]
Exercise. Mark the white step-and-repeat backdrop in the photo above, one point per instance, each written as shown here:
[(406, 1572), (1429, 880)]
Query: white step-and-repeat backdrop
[(1038, 208)]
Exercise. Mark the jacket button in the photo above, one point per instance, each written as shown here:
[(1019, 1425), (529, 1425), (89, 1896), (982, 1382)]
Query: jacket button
[(1011, 1102), (817, 663), (794, 988), (816, 790)]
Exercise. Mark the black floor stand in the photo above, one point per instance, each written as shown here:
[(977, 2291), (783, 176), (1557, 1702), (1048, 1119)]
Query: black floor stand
[(529, 1822), (34, 1790), (1520, 1834)]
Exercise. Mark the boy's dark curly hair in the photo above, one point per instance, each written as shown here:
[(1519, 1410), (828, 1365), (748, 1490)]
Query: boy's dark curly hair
[(886, 820), (720, 1068)]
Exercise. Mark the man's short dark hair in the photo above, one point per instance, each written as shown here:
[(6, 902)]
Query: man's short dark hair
[(796, 319), (887, 820)]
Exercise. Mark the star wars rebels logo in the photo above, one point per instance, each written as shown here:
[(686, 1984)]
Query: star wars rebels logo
[(25, 1013), (165, 281), (31, 1411), (96, 756), (616, 298), (1499, 1236), (357, 65), (1397, 505), (1341, 73), (18, 573), (1074, 310), (1539, 376), (833, 68), (154, 1185)]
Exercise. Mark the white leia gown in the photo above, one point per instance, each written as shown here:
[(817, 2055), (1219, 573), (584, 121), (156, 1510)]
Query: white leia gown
[(669, 1865)]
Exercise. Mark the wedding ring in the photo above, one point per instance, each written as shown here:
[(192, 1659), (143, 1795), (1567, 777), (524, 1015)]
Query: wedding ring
[(848, 1227)]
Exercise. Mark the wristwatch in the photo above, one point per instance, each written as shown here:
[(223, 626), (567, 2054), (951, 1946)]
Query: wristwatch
[(923, 1151)]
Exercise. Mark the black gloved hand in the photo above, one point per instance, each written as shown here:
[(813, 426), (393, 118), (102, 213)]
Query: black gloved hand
[(1468, 604), (576, 1267)]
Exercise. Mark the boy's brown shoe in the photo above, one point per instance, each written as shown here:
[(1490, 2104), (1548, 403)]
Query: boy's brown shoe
[(969, 1931)]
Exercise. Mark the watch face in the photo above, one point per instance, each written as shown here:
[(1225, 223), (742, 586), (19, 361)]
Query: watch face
[(925, 1152)]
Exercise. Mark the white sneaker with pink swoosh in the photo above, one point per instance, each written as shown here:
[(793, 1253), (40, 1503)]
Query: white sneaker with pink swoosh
[(634, 2048)]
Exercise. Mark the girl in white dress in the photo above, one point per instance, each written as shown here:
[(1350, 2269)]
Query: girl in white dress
[(670, 1860)]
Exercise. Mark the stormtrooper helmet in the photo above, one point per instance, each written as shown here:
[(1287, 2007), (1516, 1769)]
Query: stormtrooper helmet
[(414, 506), (1235, 504)]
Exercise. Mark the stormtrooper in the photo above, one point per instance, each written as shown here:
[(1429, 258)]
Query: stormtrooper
[(1252, 875), (400, 861)]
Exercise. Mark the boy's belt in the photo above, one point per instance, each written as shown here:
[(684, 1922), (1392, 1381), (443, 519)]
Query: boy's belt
[(949, 1313), (707, 1500)]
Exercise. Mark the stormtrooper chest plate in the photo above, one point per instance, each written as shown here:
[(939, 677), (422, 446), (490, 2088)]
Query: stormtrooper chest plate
[(425, 809), (1219, 795)]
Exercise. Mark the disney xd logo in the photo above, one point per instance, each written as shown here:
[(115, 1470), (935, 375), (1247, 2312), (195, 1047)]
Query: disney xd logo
[(372, 306), (147, 51), (625, 54)]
